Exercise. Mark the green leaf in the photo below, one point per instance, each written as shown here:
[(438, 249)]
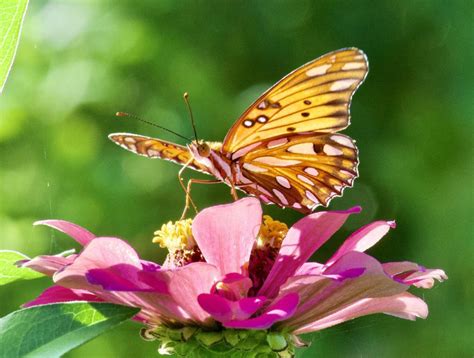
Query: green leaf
[(52, 330), (9, 272), (12, 13)]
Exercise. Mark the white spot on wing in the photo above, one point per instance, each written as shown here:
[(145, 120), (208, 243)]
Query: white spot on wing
[(305, 179), (283, 182), (248, 123), (254, 168), (153, 153), (130, 140), (343, 140), (277, 142), (312, 197), (342, 84), (276, 161), (280, 196), (245, 150), (297, 206), (311, 171), (132, 147), (302, 148), (353, 66), (330, 150), (317, 71)]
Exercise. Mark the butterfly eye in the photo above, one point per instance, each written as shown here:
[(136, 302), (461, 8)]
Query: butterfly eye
[(204, 150)]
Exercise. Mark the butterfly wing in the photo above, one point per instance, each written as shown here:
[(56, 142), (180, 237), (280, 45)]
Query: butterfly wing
[(314, 98), (157, 148), (300, 171)]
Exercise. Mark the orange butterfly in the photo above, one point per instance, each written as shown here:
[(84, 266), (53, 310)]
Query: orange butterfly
[(285, 148)]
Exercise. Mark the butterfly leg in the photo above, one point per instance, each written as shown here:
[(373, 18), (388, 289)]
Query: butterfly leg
[(233, 191), (188, 193), (188, 196)]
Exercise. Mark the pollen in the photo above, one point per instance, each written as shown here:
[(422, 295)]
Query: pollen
[(178, 238), (175, 236), (272, 233)]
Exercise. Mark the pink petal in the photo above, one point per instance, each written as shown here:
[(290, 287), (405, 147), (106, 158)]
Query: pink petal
[(310, 268), (279, 311), (302, 240), (403, 305), (186, 283), (226, 233), (81, 235), (323, 295), (56, 294), (410, 273), (48, 264), (104, 253), (363, 239)]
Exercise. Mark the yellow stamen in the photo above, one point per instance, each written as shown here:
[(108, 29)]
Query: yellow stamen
[(175, 236), (272, 232)]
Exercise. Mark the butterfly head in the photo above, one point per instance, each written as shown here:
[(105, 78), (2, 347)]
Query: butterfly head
[(200, 149)]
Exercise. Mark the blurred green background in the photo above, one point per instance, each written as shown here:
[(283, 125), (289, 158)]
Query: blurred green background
[(81, 61)]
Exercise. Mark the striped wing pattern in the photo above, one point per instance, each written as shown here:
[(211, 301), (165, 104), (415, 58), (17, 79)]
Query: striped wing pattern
[(157, 148), (314, 98), (301, 171)]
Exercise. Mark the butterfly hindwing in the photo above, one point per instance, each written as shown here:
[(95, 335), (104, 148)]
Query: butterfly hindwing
[(300, 171), (157, 148), (314, 98)]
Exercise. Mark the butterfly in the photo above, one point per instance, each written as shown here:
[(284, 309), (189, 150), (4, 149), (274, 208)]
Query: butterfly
[(285, 148)]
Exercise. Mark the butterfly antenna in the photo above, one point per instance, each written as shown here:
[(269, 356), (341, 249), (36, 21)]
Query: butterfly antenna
[(124, 114), (186, 99)]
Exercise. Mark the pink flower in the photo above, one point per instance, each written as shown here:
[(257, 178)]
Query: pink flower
[(236, 282)]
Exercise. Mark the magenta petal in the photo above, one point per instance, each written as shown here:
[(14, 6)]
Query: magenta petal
[(118, 278), (403, 305), (226, 233), (279, 311), (56, 294), (47, 264), (218, 307), (81, 235), (302, 240), (363, 239), (248, 306), (224, 310)]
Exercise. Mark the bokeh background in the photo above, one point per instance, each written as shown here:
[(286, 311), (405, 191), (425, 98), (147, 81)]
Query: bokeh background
[(81, 61)]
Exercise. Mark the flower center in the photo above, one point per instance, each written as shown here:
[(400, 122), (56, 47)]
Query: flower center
[(178, 238), (272, 232)]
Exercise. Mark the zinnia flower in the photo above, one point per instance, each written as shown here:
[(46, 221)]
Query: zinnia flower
[(228, 273)]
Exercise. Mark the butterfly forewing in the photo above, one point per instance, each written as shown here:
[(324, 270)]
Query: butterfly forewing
[(157, 148), (300, 171), (314, 98)]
